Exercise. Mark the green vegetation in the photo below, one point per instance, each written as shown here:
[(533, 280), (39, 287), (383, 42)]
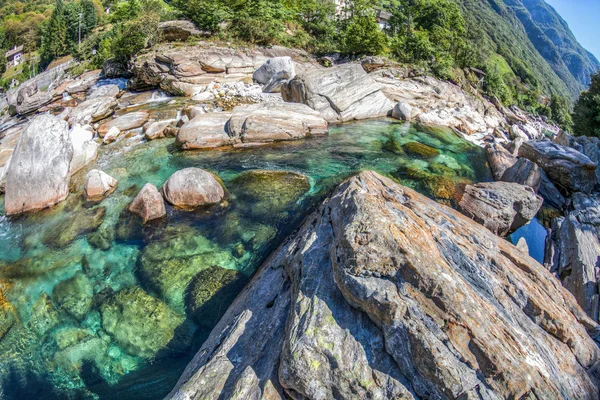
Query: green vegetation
[(586, 115)]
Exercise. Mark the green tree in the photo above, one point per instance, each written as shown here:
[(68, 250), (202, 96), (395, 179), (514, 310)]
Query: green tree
[(560, 113), (360, 32), (54, 40), (586, 114)]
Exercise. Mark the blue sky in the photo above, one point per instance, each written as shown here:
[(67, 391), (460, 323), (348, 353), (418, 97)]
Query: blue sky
[(582, 17)]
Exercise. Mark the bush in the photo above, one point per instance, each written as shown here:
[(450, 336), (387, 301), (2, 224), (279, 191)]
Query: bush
[(586, 114)]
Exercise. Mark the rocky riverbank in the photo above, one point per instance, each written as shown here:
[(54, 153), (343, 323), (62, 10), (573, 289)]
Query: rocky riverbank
[(160, 194)]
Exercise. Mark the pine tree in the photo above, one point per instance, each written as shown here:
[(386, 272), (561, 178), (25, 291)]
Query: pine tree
[(54, 39)]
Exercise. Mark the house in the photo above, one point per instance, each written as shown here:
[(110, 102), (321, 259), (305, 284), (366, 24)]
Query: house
[(15, 56)]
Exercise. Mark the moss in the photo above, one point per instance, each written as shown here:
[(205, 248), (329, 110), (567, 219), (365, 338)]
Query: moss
[(74, 295), (44, 316), (392, 146), (420, 150), (139, 323), (76, 224), (211, 292)]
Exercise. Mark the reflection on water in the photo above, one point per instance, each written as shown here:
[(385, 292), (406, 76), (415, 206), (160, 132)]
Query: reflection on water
[(97, 306)]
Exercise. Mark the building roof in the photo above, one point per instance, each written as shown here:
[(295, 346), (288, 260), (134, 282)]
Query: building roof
[(17, 49)]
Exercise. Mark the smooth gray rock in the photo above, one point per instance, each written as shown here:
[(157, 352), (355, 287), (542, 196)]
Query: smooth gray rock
[(105, 91), (190, 188), (274, 73), (524, 172), (551, 195), (93, 110), (501, 207), (342, 93), (569, 169), (402, 111), (177, 31), (98, 185), (424, 303), (39, 172)]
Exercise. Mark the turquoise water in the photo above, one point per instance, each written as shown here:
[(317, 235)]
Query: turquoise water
[(105, 308)]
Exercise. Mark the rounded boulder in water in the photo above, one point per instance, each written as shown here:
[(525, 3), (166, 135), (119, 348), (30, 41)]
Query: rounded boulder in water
[(190, 188)]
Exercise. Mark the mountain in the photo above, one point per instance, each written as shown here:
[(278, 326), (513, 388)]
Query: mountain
[(535, 41)]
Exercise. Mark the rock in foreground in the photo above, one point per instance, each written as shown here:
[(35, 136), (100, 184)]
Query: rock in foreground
[(98, 185), (148, 204), (39, 172), (383, 293)]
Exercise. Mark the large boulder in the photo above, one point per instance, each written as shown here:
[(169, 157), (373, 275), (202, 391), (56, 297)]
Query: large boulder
[(569, 169), (342, 93), (84, 82), (99, 185), (190, 188), (524, 172), (205, 131), (251, 124), (125, 122), (273, 122), (93, 110), (274, 73), (148, 204), (502, 207), (39, 172), (383, 293), (85, 149)]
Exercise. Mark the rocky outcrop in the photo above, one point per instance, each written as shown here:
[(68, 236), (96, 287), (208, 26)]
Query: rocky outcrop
[(160, 129), (569, 169), (274, 73), (99, 185), (39, 172), (125, 122), (190, 188), (573, 251), (342, 93), (251, 124), (501, 207), (148, 204), (439, 103), (84, 82), (177, 31), (188, 70), (383, 293)]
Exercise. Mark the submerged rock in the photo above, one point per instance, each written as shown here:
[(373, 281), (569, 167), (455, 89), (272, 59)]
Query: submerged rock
[(7, 315), (341, 93), (99, 185), (74, 225), (569, 169), (44, 316), (269, 194), (74, 295), (501, 207), (148, 204), (39, 172), (190, 188), (420, 150), (167, 266), (139, 323), (211, 292), (383, 293)]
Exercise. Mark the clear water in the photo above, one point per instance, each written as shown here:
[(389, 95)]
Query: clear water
[(535, 236), (69, 346)]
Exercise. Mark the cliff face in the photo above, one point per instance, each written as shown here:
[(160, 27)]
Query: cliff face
[(535, 41), (552, 37)]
